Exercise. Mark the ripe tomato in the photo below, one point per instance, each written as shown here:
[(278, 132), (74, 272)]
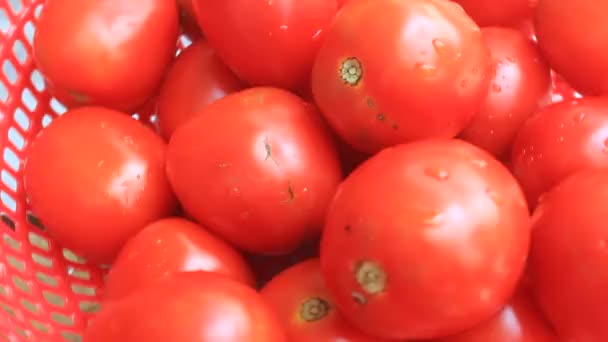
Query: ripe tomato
[(425, 240), (521, 82), (197, 78), (188, 19), (519, 321), (572, 36), (380, 85), (501, 13), (300, 298), (188, 307), (111, 53), (569, 256), (558, 141), (169, 246), (267, 42), (95, 177), (257, 167)]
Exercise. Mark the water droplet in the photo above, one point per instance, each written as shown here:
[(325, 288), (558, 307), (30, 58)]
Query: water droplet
[(491, 132), (283, 28), (269, 34), (480, 163), (100, 163), (434, 219), (317, 34), (128, 139), (437, 173), (236, 192), (496, 88), (561, 139), (103, 124), (580, 117), (493, 195), (439, 46), (426, 69)]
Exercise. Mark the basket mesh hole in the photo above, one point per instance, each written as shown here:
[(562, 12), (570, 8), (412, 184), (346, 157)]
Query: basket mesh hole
[(3, 291), (83, 290), (11, 159), (46, 279), (5, 21), (72, 257), (21, 284), (8, 310), (42, 260), (38, 241), (34, 221), (10, 224), (29, 29), (9, 180), (46, 120), (15, 263), (57, 107), (62, 319), (19, 51), (69, 336), (16, 138), (79, 274), (39, 326), (16, 6), (53, 299), (37, 80), (22, 333), (3, 92), (8, 69), (29, 306), (22, 119), (28, 99), (8, 201), (4, 337), (12, 243), (89, 307)]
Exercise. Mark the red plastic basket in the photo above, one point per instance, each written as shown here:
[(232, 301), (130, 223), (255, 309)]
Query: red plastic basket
[(47, 294)]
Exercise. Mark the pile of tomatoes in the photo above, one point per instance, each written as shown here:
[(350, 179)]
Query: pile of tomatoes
[(324, 170)]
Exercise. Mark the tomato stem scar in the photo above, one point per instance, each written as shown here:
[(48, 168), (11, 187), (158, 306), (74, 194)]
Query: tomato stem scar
[(351, 71), (371, 277), (314, 309)]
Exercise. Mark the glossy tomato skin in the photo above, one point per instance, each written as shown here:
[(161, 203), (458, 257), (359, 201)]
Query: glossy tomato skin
[(497, 13), (120, 62), (95, 177), (169, 246), (300, 298), (258, 168), (571, 35), (425, 240), (188, 307), (267, 43), (519, 321), (569, 259), (560, 140), (520, 85), (197, 78), (423, 73)]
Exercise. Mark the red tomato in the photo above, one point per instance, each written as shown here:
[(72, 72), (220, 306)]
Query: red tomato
[(258, 168), (300, 298), (521, 82), (423, 72), (197, 78), (267, 42), (169, 246), (569, 256), (425, 240), (111, 53), (492, 12), (572, 36), (519, 321), (558, 141), (95, 177), (188, 307)]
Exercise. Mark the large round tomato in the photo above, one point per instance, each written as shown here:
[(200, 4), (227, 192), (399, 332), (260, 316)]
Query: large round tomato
[(300, 298), (169, 246), (111, 53), (257, 167), (197, 78), (95, 177), (267, 42), (559, 140), (425, 240), (394, 71), (569, 256), (572, 36), (521, 82), (188, 307), (519, 321), (492, 12)]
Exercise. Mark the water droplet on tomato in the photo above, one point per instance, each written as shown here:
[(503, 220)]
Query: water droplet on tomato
[(425, 69), (480, 163), (437, 173), (560, 139), (284, 28), (439, 46), (580, 117), (496, 88), (317, 34)]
